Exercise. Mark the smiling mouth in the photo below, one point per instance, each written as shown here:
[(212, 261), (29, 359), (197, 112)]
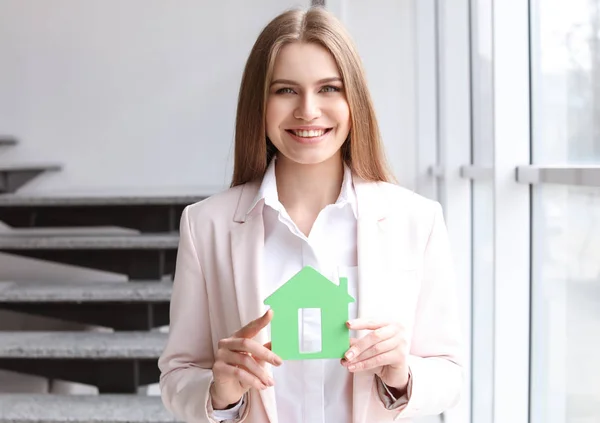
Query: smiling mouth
[(313, 133)]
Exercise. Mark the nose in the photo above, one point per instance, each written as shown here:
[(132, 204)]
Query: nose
[(308, 108)]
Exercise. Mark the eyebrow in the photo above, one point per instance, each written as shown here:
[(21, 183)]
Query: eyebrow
[(321, 81)]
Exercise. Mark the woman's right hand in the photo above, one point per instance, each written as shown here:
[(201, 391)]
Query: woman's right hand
[(239, 364)]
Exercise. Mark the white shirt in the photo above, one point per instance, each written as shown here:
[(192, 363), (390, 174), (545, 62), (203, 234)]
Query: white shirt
[(320, 390)]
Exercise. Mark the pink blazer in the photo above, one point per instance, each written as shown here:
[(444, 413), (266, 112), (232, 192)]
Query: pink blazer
[(405, 275)]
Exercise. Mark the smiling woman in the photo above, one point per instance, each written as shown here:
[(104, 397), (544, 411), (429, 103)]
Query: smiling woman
[(306, 74), (308, 118), (311, 189)]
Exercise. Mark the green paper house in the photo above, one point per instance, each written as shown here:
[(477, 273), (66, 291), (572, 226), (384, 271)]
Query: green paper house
[(309, 289)]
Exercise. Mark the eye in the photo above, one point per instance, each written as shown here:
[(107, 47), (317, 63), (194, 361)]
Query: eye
[(330, 89), (285, 90)]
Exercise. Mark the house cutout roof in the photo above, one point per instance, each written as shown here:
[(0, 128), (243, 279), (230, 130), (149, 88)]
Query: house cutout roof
[(309, 289)]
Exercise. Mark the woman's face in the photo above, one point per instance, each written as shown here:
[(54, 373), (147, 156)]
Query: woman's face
[(307, 117)]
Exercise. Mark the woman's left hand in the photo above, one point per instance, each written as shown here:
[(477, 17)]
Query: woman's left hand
[(384, 349)]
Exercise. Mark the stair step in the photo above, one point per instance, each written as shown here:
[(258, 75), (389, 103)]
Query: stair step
[(146, 304), (7, 141), (14, 175), (10, 241), (147, 256), (84, 292), (29, 167), (71, 231), (82, 345), (26, 408), (148, 211), (103, 199)]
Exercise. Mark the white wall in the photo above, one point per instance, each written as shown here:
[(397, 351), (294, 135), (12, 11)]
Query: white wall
[(148, 88)]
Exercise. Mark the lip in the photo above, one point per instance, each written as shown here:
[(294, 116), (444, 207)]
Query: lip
[(307, 128), (313, 140)]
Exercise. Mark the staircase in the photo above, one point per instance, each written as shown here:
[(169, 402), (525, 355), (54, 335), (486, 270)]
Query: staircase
[(132, 235), (13, 176)]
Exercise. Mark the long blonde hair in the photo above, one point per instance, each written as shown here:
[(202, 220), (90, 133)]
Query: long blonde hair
[(362, 151)]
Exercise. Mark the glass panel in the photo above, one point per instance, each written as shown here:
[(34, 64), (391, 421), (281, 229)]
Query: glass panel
[(483, 302), (566, 305), (483, 83), (483, 214), (566, 81)]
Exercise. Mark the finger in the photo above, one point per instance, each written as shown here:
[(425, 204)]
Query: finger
[(250, 346), (375, 337), (353, 342), (364, 324), (258, 360), (245, 378), (255, 326), (383, 347), (248, 363), (388, 358)]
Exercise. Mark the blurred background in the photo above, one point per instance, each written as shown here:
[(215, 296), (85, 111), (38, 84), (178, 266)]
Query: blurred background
[(114, 115)]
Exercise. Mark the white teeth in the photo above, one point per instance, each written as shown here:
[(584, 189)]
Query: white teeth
[(309, 134)]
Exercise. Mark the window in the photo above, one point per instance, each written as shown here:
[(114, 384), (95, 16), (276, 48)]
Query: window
[(566, 81), (566, 305), (566, 219), (483, 212)]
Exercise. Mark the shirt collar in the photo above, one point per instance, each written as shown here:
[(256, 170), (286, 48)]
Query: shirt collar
[(267, 193)]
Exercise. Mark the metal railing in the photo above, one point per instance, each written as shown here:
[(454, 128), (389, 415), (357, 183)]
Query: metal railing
[(588, 175)]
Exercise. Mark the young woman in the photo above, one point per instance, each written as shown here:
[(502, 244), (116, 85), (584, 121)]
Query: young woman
[(311, 188)]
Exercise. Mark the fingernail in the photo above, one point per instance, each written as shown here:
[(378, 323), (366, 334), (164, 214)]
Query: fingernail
[(277, 361), (352, 367), (350, 355)]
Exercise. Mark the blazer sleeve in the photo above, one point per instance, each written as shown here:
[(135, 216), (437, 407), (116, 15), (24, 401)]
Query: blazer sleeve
[(435, 357), (187, 360)]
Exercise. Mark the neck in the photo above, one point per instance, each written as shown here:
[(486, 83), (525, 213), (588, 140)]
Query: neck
[(309, 187)]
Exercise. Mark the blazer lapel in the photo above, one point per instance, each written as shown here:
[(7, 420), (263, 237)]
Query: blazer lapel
[(382, 274), (247, 245), (371, 261)]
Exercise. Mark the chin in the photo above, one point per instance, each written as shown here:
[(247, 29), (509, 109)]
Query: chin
[(312, 158)]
